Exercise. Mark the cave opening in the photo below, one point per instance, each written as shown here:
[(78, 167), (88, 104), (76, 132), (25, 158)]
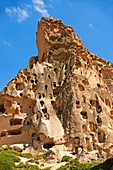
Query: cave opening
[(46, 86), (15, 132), (44, 110), (49, 145), (15, 121), (2, 109), (99, 109), (42, 102), (84, 114), (101, 137), (99, 121)]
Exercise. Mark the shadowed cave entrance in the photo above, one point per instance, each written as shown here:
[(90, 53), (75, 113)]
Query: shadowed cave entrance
[(48, 145), (15, 121), (2, 109)]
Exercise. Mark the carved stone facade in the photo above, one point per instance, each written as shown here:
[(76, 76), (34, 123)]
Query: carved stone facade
[(64, 96)]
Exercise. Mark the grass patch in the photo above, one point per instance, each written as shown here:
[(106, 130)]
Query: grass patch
[(8, 159), (40, 156), (27, 166), (76, 165), (26, 155)]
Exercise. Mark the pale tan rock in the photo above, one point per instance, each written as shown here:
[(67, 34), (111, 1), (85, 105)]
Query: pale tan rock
[(4, 147), (17, 148)]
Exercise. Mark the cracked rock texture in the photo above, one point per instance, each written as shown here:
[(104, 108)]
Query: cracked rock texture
[(64, 97)]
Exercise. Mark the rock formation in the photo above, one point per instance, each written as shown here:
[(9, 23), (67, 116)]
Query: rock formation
[(64, 97)]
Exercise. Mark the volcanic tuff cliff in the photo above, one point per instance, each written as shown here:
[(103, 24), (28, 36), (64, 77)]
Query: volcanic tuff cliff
[(64, 96)]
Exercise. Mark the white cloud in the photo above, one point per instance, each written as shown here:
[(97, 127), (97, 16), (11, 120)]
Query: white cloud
[(6, 43), (91, 25), (40, 7), (21, 14), (39, 2), (43, 11)]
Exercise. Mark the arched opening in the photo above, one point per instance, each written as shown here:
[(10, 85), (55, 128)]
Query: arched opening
[(44, 110), (84, 114), (107, 102), (28, 123), (77, 141), (81, 87), (93, 102), (101, 137), (19, 86), (92, 126), (56, 70), (50, 95), (46, 86), (34, 88), (78, 104), (42, 102), (111, 114), (98, 85), (85, 82), (54, 84), (88, 144), (43, 95), (66, 66), (99, 121), (84, 128), (57, 90), (21, 94), (93, 141), (39, 96), (36, 81), (32, 81), (49, 76), (59, 83), (99, 109), (3, 134)]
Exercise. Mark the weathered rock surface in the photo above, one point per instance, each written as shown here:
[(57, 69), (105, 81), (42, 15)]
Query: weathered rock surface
[(64, 96)]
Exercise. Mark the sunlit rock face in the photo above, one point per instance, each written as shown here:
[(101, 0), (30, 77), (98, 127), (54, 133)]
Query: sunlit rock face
[(64, 97)]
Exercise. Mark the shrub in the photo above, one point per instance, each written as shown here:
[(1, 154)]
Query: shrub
[(66, 158)]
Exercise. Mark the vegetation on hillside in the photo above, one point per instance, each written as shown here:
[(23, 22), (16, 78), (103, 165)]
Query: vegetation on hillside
[(10, 158), (76, 165)]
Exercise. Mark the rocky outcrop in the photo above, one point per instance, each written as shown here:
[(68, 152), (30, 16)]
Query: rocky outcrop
[(64, 96)]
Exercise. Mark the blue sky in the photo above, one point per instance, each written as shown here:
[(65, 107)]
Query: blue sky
[(92, 20)]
